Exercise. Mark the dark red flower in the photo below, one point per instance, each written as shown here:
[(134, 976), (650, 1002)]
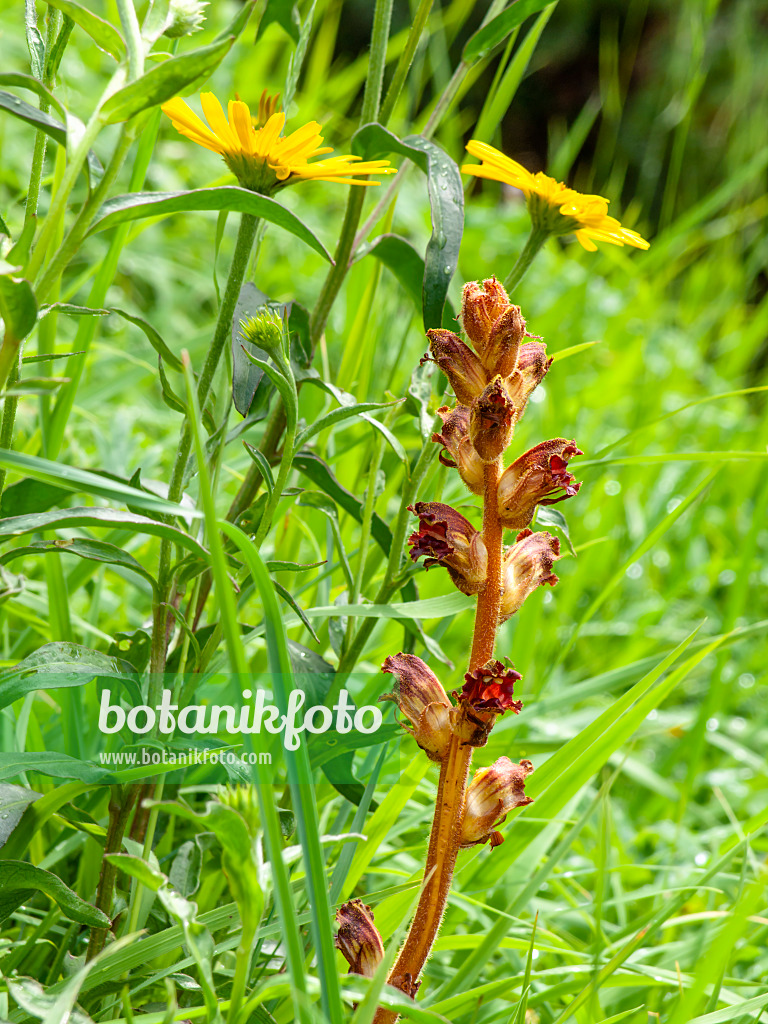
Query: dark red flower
[(454, 438), (491, 688), (446, 538), (539, 477), (459, 363), (490, 421)]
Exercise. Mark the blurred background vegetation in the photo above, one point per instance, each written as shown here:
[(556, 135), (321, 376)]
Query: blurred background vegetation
[(661, 107)]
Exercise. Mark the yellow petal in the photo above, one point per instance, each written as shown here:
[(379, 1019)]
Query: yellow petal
[(214, 115)]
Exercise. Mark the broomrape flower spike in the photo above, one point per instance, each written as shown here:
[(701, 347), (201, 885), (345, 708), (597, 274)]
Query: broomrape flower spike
[(554, 208), (492, 374), (258, 154)]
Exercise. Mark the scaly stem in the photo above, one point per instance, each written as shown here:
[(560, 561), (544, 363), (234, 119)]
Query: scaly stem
[(487, 614), (446, 826), (240, 257)]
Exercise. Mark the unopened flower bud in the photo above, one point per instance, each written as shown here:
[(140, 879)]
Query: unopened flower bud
[(459, 363), (422, 699), (491, 419), (481, 306), (491, 795), (358, 938), (491, 688), (539, 477), (265, 331), (532, 366), (184, 18), (446, 538), (454, 438), (503, 345), (527, 565)]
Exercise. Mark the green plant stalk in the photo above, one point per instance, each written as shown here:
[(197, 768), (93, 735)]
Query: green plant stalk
[(286, 461), (63, 255), (138, 888), (392, 576), (41, 139), (536, 240), (365, 526), (10, 406), (105, 275), (133, 41), (406, 60), (245, 236), (59, 200)]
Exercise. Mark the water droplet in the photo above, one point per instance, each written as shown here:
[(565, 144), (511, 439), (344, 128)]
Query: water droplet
[(447, 269)]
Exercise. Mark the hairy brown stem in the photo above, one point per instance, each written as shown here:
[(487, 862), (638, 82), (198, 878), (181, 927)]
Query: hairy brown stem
[(120, 804), (454, 769)]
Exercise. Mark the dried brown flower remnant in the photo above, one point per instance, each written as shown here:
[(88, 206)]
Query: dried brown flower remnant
[(454, 438), (358, 938), (532, 367), (491, 688), (491, 795), (527, 565), (539, 477), (422, 699), (459, 363), (446, 538)]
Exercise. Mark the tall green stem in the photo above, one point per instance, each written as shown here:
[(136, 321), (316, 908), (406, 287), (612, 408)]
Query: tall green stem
[(41, 139), (536, 239), (245, 236)]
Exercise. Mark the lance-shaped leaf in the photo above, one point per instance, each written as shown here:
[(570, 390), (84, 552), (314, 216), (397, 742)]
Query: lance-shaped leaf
[(62, 664), (20, 881), (165, 81), (137, 205), (106, 36), (446, 200), (83, 547), (496, 31), (53, 128)]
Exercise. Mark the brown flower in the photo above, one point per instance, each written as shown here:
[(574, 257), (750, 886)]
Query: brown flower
[(481, 306), (539, 477), (446, 538), (491, 795), (358, 939), (491, 688), (422, 699), (454, 438), (532, 367), (459, 363), (490, 421), (527, 565)]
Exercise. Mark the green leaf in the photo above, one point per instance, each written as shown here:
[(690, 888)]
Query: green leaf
[(152, 336), (285, 13), (106, 36), (73, 479), (446, 200), (554, 517), (261, 461), (63, 664), (103, 517), (30, 496), (53, 128), (429, 608), (337, 415), (22, 81), (95, 550), (14, 801), (293, 603), (19, 881), (18, 308), (137, 205), (35, 41), (164, 82), (496, 31), (60, 766)]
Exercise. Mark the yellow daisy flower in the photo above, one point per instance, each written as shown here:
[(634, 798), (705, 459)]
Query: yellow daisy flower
[(553, 206), (258, 154)]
